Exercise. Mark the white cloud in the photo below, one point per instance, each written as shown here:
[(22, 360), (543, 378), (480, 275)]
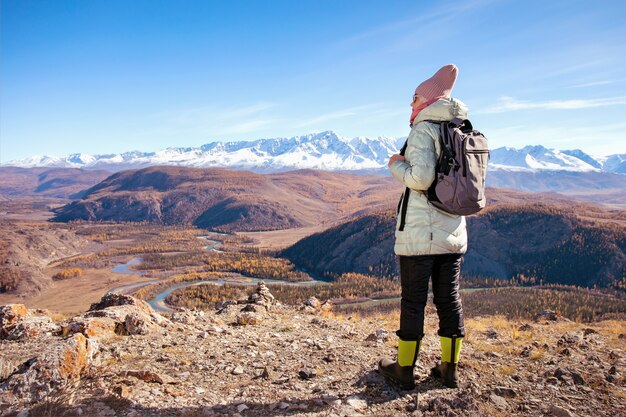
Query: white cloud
[(341, 114), (211, 120), (247, 126), (591, 84), (508, 104)]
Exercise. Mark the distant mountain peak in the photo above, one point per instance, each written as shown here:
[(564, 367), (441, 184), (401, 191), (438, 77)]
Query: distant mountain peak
[(324, 150)]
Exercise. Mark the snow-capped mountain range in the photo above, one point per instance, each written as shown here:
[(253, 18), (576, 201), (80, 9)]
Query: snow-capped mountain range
[(325, 150)]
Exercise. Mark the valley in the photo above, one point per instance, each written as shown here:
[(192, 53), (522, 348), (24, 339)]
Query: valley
[(164, 315), (293, 226)]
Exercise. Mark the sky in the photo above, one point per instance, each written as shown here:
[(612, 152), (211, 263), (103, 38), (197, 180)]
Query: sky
[(109, 76)]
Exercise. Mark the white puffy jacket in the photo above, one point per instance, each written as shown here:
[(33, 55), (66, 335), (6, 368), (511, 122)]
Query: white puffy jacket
[(427, 230)]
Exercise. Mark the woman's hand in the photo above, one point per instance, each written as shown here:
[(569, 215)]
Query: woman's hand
[(394, 158)]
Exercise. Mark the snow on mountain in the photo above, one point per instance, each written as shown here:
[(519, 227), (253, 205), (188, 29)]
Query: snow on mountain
[(577, 153), (324, 150), (616, 163), (541, 158)]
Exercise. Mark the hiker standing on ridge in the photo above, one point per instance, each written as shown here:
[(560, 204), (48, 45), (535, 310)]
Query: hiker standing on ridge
[(430, 242)]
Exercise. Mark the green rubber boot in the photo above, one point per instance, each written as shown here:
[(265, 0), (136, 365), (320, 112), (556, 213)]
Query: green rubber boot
[(400, 371), (450, 354)]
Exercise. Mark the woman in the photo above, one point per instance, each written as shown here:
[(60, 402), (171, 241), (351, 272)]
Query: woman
[(432, 242)]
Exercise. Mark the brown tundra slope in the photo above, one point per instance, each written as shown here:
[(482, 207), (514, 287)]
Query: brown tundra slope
[(230, 200), (27, 248), (557, 243)]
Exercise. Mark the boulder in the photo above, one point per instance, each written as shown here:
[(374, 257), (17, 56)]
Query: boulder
[(327, 306), (247, 318), (116, 314), (91, 327), (313, 302), (63, 362), (313, 305), (12, 313), (378, 335), (18, 323), (547, 315)]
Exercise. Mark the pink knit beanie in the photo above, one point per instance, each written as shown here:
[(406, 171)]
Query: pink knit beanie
[(440, 84)]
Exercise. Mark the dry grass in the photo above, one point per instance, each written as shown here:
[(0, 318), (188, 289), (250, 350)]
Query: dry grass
[(507, 370)]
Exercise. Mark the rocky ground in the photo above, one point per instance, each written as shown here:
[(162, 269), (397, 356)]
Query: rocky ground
[(258, 358)]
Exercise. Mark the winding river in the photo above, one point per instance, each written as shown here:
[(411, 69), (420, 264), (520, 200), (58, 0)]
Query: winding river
[(158, 302)]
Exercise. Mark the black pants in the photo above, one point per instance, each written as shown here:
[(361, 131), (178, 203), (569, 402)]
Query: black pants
[(415, 272)]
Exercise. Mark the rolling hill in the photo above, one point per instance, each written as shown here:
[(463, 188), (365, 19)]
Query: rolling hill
[(48, 182), (228, 200), (547, 241)]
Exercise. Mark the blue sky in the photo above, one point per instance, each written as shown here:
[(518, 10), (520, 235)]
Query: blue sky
[(112, 76)]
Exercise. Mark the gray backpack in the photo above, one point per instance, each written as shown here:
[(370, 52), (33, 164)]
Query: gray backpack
[(459, 185)]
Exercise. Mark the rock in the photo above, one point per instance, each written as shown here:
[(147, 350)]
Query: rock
[(122, 391), (525, 327), (587, 331), (498, 401), (242, 407), (114, 299), (254, 308), (560, 373), (116, 314), (307, 373), (313, 302), (331, 357), (526, 351), (222, 306), (378, 335), (91, 327), (505, 392), (148, 376), (568, 340), (184, 316), (356, 403), (12, 313), (237, 371), (247, 318), (491, 333), (136, 323), (557, 411), (213, 329), (283, 405), (548, 315), (63, 361), (7, 367), (28, 326), (577, 378), (327, 306), (266, 374)]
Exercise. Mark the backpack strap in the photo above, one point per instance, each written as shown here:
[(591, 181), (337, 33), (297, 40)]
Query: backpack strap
[(405, 195), (447, 160)]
